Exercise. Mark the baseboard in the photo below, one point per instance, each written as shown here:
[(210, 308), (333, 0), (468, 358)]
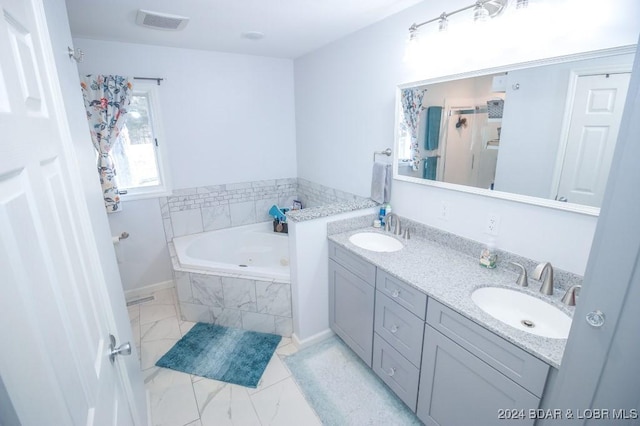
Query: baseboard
[(147, 290), (312, 340)]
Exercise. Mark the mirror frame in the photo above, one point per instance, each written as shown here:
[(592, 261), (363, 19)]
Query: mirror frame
[(527, 199)]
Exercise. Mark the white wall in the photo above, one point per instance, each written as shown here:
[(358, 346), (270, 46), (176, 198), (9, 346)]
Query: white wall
[(143, 258), (308, 253), (226, 118), (345, 97)]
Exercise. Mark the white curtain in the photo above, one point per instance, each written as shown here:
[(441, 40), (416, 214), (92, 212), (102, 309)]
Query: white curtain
[(106, 98)]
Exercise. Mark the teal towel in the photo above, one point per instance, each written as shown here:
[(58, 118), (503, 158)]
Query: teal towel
[(430, 167), (277, 213), (432, 132)]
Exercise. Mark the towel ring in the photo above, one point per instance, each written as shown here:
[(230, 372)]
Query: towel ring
[(386, 152)]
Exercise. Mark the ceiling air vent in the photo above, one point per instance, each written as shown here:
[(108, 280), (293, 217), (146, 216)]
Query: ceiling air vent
[(160, 21)]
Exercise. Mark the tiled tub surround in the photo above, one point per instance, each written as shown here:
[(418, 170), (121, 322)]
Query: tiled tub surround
[(208, 208), (232, 300), (445, 267)]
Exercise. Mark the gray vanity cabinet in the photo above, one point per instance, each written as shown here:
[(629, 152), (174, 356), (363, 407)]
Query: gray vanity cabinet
[(469, 374), (351, 300), (448, 369)]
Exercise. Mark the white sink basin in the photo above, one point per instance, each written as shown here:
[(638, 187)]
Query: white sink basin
[(522, 311), (375, 242)]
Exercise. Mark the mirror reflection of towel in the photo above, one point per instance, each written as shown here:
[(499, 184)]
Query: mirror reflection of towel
[(430, 167), (381, 182), (432, 132)]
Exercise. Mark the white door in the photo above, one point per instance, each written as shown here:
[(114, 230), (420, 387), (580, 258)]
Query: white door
[(600, 369), (595, 119), (457, 147), (55, 312)]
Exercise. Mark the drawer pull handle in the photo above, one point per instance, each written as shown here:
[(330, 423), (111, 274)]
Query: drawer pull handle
[(394, 329), (391, 372), (395, 293)]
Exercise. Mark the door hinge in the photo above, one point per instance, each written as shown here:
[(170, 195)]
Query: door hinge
[(156, 139)]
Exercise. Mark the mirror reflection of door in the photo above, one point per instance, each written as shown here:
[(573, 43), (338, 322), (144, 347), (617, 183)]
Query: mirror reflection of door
[(595, 119)]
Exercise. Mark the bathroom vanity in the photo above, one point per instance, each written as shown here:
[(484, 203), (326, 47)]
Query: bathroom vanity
[(409, 316)]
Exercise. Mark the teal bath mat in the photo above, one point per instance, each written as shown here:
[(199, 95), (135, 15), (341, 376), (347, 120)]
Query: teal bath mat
[(343, 390), (221, 353)]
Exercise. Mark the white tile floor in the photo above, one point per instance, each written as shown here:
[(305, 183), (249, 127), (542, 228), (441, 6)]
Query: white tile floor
[(179, 399)]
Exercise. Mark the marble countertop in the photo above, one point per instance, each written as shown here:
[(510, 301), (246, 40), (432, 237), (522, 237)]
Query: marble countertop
[(450, 276)]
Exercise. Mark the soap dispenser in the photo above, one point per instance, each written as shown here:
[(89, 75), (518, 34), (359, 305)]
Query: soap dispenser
[(488, 255)]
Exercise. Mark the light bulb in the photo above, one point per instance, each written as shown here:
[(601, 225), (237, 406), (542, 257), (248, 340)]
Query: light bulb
[(443, 23), (480, 13), (411, 49)]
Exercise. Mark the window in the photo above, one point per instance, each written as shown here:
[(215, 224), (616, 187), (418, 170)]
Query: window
[(404, 144), (138, 153)]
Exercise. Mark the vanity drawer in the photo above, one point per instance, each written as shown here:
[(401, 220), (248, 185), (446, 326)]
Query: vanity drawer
[(399, 327), (412, 299), (398, 373), (353, 263), (518, 365)]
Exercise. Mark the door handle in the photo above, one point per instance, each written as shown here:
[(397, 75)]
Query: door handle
[(123, 349)]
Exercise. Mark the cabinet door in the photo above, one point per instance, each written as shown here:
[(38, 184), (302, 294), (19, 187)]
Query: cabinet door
[(351, 302), (516, 364), (457, 388)]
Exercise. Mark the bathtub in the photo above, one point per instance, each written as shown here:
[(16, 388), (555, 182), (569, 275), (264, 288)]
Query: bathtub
[(254, 251)]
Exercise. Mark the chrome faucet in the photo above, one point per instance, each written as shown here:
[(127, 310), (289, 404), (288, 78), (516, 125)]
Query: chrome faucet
[(406, 234), (396, 220), (569, 297), (547, 284)]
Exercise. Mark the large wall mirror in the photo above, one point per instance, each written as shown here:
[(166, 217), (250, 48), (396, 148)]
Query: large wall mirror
[(541, 132)]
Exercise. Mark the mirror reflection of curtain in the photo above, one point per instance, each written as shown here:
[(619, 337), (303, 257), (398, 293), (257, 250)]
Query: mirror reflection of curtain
[(411, 100), (106, 98)]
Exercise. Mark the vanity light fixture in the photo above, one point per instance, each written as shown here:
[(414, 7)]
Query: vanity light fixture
[(482, 11), (443, 22), (413, 33)]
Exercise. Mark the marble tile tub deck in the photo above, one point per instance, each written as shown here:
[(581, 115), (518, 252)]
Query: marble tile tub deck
[(445, 267)]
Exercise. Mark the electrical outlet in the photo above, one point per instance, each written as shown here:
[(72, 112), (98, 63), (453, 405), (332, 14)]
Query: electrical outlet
[(444, 211), (493, 224)]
